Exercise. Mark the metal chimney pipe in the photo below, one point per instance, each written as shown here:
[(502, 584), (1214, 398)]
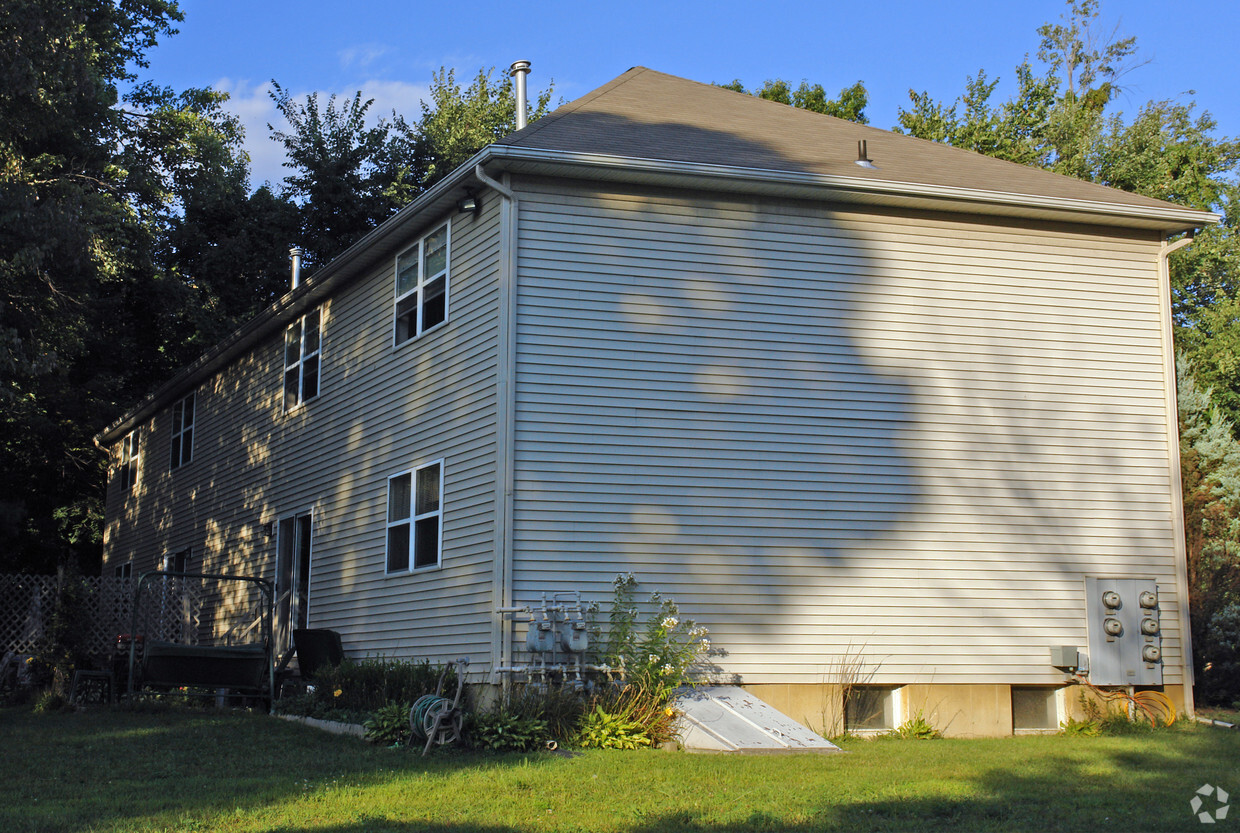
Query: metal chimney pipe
[(518, 71), (295, 254)]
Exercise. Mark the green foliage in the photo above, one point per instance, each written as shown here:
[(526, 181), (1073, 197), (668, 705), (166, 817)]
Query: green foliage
[(364, 686), (916, 727), (50, 702), (658, 656), (456, 123), (1087, 727), (612, 730), (1122, 716), (626, 714), (342, 173), (1210, 470), (97, 307), (389, 725), (504, 730), (849, 105)]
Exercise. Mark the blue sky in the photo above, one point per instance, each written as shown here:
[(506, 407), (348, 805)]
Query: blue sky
[(389, 50)]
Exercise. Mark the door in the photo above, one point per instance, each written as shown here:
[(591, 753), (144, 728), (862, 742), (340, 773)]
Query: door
[(293, 578)]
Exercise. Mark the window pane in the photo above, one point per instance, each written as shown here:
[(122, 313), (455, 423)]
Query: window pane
[(407, 318), (310, 378), (176, 452), (407, 271), (398, 548), (290, 388), (435, 308), (398, 497), (312, 333), (292, 344), (426, 548), (869, 708), (187, 445), (436, 247), (428, 490), (1034, 708)]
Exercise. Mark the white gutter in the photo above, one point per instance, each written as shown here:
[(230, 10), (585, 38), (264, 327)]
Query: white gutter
[(1175, 475), (856, 186)]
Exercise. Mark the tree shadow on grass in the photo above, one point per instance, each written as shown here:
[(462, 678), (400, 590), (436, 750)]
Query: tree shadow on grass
[(125, 771)]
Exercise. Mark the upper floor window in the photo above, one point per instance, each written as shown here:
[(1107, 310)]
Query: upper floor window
[(422, 285), (127, 470), (302, 341), (415, 518), (183, 431)]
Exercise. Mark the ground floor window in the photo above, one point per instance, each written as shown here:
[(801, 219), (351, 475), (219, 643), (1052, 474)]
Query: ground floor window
[(415, 518), (1035, 708), (869, 708), (123, 570), (177, 562)]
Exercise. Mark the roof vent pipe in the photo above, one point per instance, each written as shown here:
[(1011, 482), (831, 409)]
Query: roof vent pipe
[(518, 71), (294, 254)]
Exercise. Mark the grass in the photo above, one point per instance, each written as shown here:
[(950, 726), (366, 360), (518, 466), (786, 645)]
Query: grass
[(107, 770)]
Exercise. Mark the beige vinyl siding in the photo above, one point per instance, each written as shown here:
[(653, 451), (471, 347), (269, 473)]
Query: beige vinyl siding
[(381, 410), (902, 435)]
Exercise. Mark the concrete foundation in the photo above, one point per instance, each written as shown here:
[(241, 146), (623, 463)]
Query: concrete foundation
[(962, 711)]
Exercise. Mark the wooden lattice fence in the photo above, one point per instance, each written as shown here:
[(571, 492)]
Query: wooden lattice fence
[(102, 606)]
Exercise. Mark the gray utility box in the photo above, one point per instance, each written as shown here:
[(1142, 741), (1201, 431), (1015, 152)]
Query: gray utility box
[(1125, 634)]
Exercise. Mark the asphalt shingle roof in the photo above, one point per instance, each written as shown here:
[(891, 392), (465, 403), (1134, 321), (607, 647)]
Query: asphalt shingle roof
[(644, 114)]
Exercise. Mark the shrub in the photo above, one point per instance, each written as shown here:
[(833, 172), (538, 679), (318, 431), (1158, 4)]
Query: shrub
[(612, 730), (657, 657), (362, 687), (49, 702), (916, 728), (389, 725), (505, 731), (618, 716)]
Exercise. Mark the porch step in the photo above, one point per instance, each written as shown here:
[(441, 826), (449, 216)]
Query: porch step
[(726, 718)]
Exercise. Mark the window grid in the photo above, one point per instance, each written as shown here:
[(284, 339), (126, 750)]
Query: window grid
[(182, 432), (128, 468), (422, 277), (303, 341), (415, 519)]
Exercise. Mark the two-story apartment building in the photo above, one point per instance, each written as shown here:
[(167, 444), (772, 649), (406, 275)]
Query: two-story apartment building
[(905, 410)]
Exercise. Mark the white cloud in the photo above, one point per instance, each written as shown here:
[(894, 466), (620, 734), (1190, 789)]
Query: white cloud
[(362, 55), (252, 104)]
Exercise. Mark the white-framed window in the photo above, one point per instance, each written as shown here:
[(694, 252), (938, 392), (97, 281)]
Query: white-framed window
[(415, 518), (422, 285), (302, 344), (871, 708), (182, 432), (177, 562), (127, 468), (123, 570)]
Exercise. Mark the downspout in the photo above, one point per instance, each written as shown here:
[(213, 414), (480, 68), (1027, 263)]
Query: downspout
[(505, 375), (1173, 454)]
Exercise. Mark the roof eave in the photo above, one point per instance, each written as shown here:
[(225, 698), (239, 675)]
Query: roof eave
[(363, 255), (868, 190)]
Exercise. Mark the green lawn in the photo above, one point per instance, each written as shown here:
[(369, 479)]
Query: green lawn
[(116, 770)]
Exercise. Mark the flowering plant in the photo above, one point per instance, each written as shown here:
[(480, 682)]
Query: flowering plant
[(658, 656)]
